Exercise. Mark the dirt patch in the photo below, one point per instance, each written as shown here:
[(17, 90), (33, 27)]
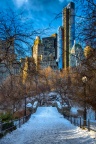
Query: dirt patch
[(19, 114)]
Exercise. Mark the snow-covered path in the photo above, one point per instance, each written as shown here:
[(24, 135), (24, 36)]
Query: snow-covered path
[(47, 126)]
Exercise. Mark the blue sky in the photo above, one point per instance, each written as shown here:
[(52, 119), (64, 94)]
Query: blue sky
[(40, 12)]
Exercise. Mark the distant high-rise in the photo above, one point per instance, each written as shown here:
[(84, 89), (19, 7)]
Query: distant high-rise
[(60, 47), (45, 52), (50, 52), (68, 20), (37, 51), (77, 55)]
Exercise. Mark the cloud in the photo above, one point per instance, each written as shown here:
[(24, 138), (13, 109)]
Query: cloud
[(20, 3), (61, 1), (64, 1), (41, 12), (34, 4)]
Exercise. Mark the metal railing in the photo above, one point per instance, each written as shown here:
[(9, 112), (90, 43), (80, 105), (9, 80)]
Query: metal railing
[(12, 124), (78, 121)]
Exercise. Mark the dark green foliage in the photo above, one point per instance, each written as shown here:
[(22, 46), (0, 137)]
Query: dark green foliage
[(7, 125), (1, 135), (6, 117)]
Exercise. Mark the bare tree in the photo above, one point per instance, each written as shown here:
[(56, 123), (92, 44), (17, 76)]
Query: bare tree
[(11, 92), (86, 91), (86, 22), (16, 32), (16, 38), (61, 85)]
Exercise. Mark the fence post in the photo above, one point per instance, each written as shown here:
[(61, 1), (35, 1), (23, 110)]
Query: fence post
[(71, 119), (77, 122), (19, 122), (80, 122), (1, 125), (74, 120), (88, 125), (13, 125), (23, 120)]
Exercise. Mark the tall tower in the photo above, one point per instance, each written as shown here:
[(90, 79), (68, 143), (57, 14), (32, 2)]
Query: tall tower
[(60, 47), (68, 21)]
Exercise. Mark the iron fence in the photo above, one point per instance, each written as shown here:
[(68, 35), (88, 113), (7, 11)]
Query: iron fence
[(79, 121), (12, 125)]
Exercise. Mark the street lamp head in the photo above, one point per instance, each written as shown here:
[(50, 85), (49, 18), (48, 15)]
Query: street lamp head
[(84, 79)]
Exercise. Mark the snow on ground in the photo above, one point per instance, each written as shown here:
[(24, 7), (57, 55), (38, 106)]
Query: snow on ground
[(58, 104), (74, 110), (91, 114), (29, 105), (35, 104), (47, 126), (52, 93)]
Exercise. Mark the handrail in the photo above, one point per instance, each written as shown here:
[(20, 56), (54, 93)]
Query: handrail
[(15, 124), (78, 121)]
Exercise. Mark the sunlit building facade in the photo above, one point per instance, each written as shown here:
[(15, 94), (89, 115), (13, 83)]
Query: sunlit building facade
[(37, 51), (28, 68), (45, 52), (68, 20)]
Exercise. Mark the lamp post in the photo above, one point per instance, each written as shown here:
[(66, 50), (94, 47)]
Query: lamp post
[(84, 80), (36, 81)]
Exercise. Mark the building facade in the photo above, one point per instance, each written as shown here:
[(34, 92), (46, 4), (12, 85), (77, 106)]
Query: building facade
[(77, 55), (45, 52), (60, 41), (28, 69), (37, 51), (68, 20), (50, 52)]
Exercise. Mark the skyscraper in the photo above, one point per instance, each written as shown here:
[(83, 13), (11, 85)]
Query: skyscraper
[(50, 52), (45, 52), (68, 20), (60, 47)]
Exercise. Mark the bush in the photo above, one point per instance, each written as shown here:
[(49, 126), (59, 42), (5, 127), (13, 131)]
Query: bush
[(6, 117), (7, 125), (1, 135)]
